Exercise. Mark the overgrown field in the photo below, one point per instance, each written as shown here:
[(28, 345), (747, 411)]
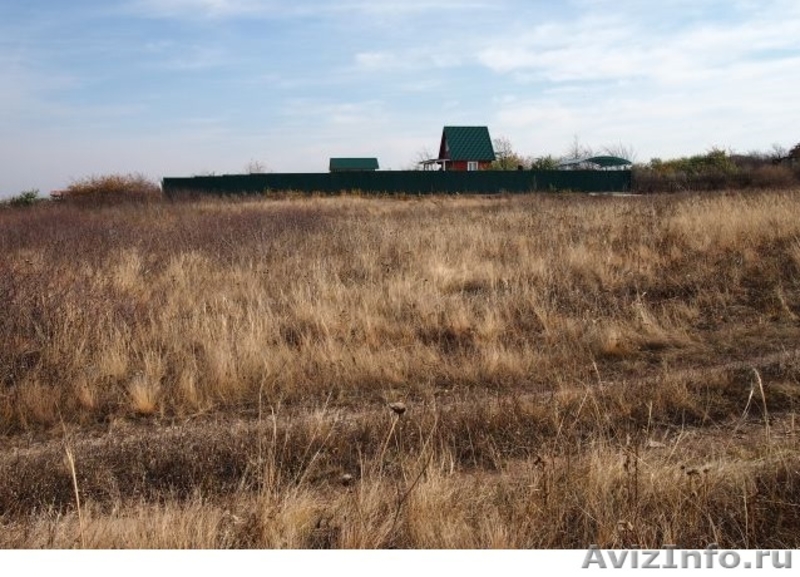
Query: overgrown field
[(572, 370)]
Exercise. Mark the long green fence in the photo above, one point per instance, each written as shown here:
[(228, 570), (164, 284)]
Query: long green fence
[(408, 181)]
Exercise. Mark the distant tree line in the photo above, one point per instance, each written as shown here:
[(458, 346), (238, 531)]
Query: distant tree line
[(719, 169), (716, 169)]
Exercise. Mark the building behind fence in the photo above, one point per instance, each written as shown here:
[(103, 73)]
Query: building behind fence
[(408, 182)]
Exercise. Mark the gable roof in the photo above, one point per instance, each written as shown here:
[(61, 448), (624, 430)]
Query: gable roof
[(466, 143), (353, 164)]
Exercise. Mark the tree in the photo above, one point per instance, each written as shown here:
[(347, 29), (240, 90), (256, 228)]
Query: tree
[(505, 156), (544, 163), (778, 153), (577, 151), (25, 198), (256, 167), (620, 151), (422, 155)]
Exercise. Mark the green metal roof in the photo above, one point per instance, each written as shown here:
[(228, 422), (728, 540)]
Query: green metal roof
[(608, 161), (353, 164), (466, 143), (601, 161)]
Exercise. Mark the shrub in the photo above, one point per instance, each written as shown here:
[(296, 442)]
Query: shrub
[(112, 189), (545, 163), (770, 176), (25, 198), (715, 170)]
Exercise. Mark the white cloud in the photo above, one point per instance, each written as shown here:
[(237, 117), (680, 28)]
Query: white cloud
[(610, 48), (666, 84), (27, 92), (414, 59), (383, 10), (376, 60), (321, 114), (192, 58), (748, 107), (201, 8), (410, 7)]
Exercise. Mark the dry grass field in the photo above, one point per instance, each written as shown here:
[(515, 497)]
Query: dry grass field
[(562, 371)]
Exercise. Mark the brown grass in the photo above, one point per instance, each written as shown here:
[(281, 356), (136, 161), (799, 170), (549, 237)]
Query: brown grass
[(576, 370)]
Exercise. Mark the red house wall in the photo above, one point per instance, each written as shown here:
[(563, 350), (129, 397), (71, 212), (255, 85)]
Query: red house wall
[(461, 165)]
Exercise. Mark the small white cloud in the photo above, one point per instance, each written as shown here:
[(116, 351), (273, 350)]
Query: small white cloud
[(411, 7), (410, 60), (375, 60), (384, 10), (199, 8), (326, 113), (196, 58)]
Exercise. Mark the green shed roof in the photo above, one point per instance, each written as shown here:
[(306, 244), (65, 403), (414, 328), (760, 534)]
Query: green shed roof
[(337, 164), (601, 161), (466, 143)]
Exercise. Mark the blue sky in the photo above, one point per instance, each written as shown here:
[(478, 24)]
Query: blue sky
[(183, 87)]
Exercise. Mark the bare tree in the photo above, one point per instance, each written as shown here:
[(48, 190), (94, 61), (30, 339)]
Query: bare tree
[(778, 152), (578, 150), (256, 167), (422, 155), (506, 158), (620, 151)]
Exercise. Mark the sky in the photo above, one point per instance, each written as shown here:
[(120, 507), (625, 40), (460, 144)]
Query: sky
[(189, 87)]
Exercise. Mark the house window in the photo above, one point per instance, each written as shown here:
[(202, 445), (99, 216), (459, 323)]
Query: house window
[(472, 165)]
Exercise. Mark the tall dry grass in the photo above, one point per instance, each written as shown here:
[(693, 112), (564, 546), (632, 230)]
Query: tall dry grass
[(554, 351), (175, 309)]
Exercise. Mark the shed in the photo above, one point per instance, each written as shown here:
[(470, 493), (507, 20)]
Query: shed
[(597, 162), (353, 164), (463, 148)]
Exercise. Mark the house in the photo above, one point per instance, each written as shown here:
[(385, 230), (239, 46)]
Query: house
[(353, 164), (463, 148)]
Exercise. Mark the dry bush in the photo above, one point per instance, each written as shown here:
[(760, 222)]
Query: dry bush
[(714, 171), (112, 189), (766, 177)]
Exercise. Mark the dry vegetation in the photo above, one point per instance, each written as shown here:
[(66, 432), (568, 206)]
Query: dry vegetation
[(110, 189), (575, 370)]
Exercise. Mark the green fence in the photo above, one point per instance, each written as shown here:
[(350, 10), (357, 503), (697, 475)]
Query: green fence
[(409, 181)]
